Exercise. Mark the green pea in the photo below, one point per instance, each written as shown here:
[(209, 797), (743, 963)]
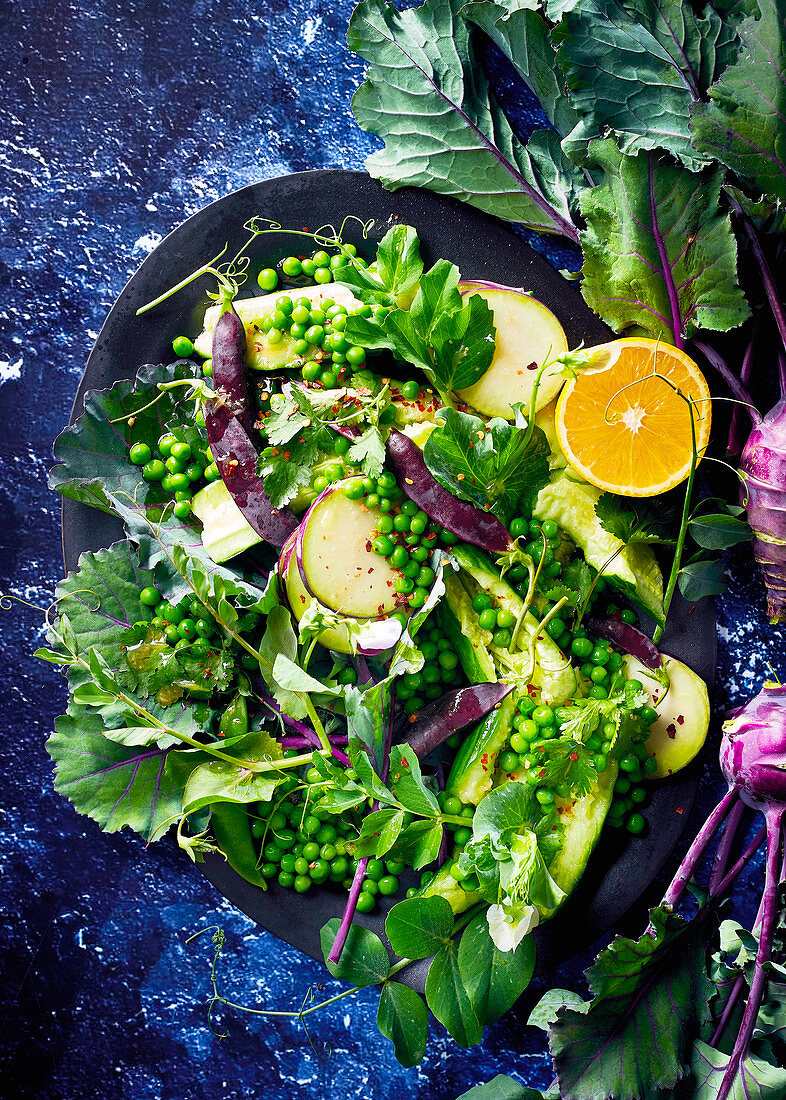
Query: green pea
[(314, 334), (356, 356), (622, 785), (598, 674), (628, 616), (555, 628), (366, 902), (505, 618), (354, 488), (581, 648), (650, 765), (140, 454), (448, 659), (150, 596), (182, 347), (635, 824), (502, 638), (154, 470), (601, 762), (462, 836), (598, 692), (508, 761), (268, 278), (291, 267), (629, 763), (543, 716), (487, 619), (404, 585)]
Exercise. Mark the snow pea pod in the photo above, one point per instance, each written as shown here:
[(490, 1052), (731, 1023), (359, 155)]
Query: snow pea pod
[(231, 828), (473, 768)]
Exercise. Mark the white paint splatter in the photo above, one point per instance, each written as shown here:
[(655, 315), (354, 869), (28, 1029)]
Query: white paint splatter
[(311, 28), (147, 242), (10, 372)]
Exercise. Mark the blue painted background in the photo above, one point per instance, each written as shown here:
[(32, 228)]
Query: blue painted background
[(117, 121)]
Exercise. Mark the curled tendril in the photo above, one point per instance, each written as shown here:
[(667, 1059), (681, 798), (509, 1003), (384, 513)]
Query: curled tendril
[(8, 599)]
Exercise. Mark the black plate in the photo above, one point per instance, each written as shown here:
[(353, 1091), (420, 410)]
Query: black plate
[(484, 249)]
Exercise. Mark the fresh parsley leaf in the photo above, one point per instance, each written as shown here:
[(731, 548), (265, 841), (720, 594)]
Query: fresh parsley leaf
[(495, 465), (565, 760), (450, 340), (575, 585), (369, 451)]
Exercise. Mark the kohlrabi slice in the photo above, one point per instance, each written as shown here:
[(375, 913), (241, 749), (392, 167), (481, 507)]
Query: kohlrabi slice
[(332, 561), (683, 714), (528, 335), (262, 354)]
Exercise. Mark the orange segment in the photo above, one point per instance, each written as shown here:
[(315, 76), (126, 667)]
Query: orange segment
[(622, 424)]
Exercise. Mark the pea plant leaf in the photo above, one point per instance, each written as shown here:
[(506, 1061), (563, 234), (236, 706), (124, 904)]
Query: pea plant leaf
[(221, 781), (418, 927), (742, 124), (658, 252), (524, 37), (448, 999), (636, 68), (493, 979), (493, 465), (402, 1017), (398, 268), (502, 1087), (429, 100), (364, 960), (636, 1033)]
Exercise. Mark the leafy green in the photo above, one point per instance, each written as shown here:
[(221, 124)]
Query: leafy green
[(429, 100), (448, 998), (398, 268), (636, 68), (501, 1088), (379, 831), (756, 1078), (635, 1035), (633, 521), (658, 253), (402, 1017), (524, 36), (418, 927), (742, 125), (219, 781), (450, 340), (364, 960), (494, 465), (493, 979), (406, 782), (700, 577), (717, 531)]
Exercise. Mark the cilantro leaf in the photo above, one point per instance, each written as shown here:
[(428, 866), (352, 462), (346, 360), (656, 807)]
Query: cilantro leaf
[(450, 340), (634, 521), (369, 451), (658, 252), (575, 585), (497, 466), (741, 125)]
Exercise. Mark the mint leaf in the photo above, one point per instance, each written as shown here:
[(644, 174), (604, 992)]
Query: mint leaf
[(636, 1034), (658, 253), (429, 100), (742, 126), (402, 1017), (524, 36), (418, 927), (494, 465), (636, 68)]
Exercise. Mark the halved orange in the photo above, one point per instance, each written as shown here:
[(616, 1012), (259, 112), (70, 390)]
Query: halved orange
[(624, 422)]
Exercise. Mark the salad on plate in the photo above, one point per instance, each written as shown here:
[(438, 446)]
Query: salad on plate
[(375, 626)]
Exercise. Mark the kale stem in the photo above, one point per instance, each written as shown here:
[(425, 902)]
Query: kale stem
[(734, 996), (668, 274), (729, 377), (767, 279), (752, 848), (696, 850), (769, 913)]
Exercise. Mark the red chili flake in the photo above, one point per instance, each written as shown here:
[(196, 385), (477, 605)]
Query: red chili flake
[(274, 451), (532, 366), (681, 718), (287, 455), (368, 546), (679, 810), (484, 758), (691, 609), (404, 761), (671, 730), (573, 757)]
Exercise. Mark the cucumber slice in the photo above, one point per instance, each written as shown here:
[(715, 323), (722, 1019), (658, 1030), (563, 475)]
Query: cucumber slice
[(632, 569), (262, 355), (528, 334), (683, 714), (225, 530), (460, 623)]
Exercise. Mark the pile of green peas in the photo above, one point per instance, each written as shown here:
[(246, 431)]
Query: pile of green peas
[(441, 670), (498, 621), (301, 845), (177, 467), (535, 531), (187, 623)]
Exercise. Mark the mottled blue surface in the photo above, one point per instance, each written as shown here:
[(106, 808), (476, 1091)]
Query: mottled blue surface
[(117, 122)]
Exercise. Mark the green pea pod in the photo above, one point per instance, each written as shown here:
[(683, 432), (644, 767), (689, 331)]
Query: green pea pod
[(443, 885), (234, 720), (231, 827), (460, 623), (473, 768)]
